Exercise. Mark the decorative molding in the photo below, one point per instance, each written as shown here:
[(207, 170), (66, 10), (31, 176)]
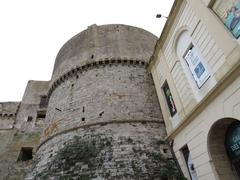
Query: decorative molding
[(212, 94), (95, 124), (7, 115), (101, 63), (10, 114)]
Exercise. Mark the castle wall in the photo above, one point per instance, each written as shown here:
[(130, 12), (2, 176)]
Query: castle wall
[(11, 143), (114, 106), (98, 43), (111, 151), (100, 95), (18, 131), (103, 119), (30, 106), (8, 112)]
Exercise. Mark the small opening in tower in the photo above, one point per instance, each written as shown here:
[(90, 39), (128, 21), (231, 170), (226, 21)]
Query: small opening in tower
[(25, 154), (77, 76), (41, 114), (92, 56), (101, 113), (83, 119), (83, 109), (29, 118), (165, 150), (58, 109)]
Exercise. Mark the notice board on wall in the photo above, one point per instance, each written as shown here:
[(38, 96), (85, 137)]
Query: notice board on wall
[(196, 66)]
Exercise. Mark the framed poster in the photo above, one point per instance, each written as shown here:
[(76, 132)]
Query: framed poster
[(169, 99), (196, 66), (229, 12)]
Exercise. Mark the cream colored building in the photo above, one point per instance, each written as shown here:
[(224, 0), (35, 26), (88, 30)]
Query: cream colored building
[(196, 70)]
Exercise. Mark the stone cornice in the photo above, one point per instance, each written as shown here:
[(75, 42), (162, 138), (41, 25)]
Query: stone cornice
[(96, 124), (96, 64), (12, 114), (7, 115)]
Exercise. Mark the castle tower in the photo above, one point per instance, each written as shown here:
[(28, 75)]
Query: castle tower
[(103, 117)]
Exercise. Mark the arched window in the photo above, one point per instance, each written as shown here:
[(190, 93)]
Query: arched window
[(194, 65)]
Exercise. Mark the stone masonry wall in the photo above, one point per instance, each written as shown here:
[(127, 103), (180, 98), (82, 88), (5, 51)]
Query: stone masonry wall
[(11, 143), (8, 112), (98, 43), (17, 131), (112, 151), (30, 106), (105, 94), (114, 113), (103, 118)]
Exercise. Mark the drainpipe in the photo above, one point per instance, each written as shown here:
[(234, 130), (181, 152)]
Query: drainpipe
[(175, 159)]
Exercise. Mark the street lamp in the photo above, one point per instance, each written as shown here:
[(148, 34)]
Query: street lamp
[(160, 16)]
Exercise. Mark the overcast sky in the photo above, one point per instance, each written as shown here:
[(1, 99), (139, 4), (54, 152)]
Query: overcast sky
[(33, 31)]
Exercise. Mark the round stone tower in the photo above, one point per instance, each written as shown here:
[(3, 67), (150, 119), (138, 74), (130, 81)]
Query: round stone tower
[(103, 118)]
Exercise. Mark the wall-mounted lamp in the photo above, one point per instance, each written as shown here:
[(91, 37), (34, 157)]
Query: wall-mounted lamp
[(161, 16)]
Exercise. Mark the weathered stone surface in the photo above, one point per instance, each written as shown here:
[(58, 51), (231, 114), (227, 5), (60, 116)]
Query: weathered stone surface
[(107, 41), (112, 151), (7, 108), (16, 131), (30, 105), (103, 119), (105, 94), (11, 143)]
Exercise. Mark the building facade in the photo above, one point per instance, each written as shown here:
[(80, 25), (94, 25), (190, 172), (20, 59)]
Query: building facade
[(97, 118), (196, 71)]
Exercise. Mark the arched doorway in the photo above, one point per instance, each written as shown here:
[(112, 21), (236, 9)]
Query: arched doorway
[(232, 145), (218, 143)]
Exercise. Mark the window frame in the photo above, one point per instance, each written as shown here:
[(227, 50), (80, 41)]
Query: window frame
[(190, 47)]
